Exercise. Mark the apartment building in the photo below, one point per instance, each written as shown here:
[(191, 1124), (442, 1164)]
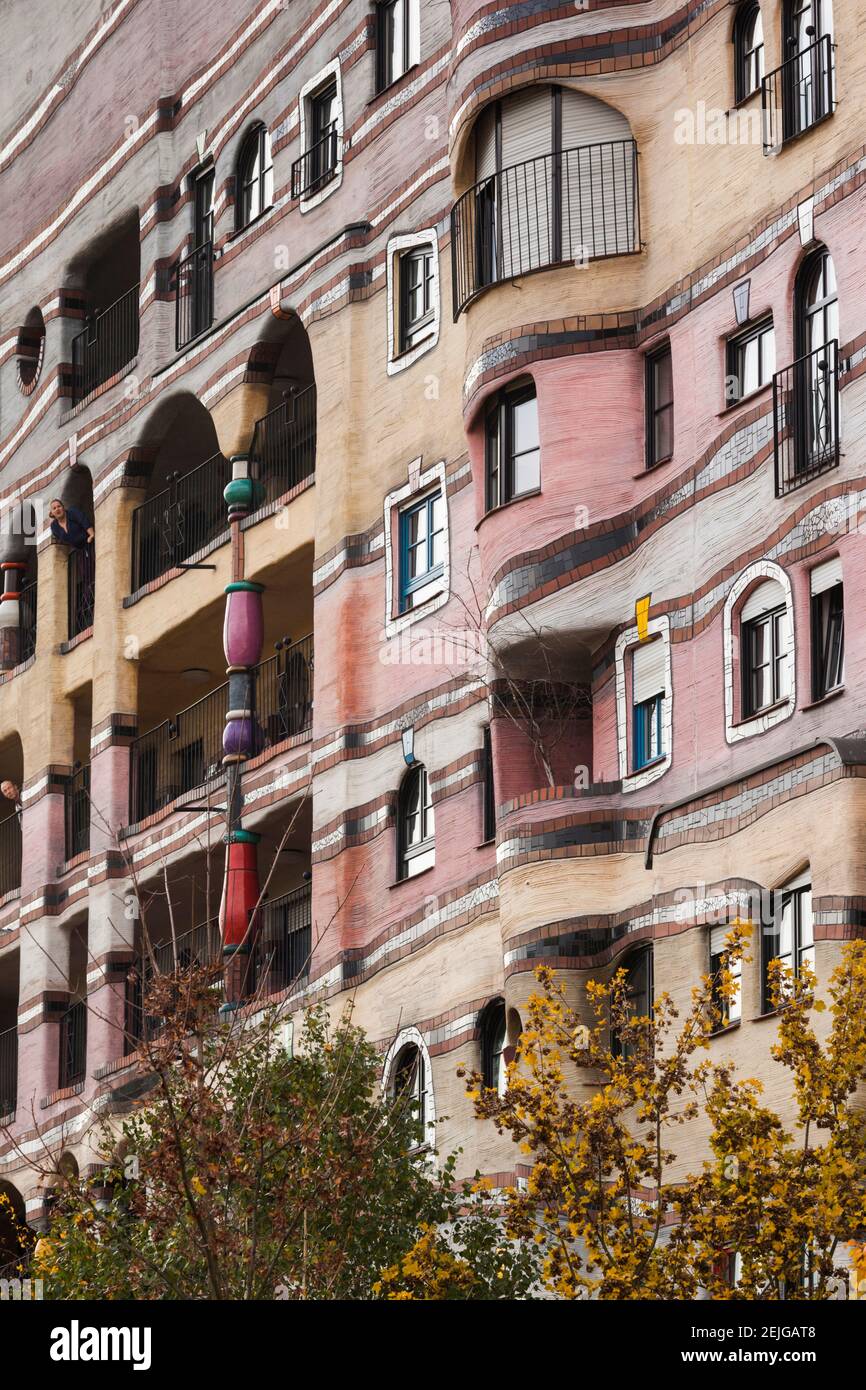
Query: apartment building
[(467, 402)]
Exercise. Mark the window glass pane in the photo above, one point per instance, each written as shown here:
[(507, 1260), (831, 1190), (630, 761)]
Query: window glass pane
[(664, 434), (768, 354), (664, 386), (806, 931), (749, 377), (786, 930), (525, 425)]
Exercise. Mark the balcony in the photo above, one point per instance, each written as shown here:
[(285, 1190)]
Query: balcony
[(798, 94), (565, 208), (316, 166), (806, 418), (186, 751), (27, 620), (193, 294), (283, 451), (73, 1045), (179, 521), (8, 1070), (10, 855), (76, 807), (81, 590), (107, 345), (284, 942), (201, 946)]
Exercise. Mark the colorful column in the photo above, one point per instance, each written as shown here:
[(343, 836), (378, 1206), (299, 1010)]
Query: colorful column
[(10, 613), (243, 633)]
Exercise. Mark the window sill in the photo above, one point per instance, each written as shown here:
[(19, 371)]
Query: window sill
[(728, 1028), (390, 86), (761, 713), (750, 399), (411, 878), (652, 467), (413, 347), (485, 844), (645, 767), (412, 612), (501, 506), (824, 699), (744, 101), (239, 231)]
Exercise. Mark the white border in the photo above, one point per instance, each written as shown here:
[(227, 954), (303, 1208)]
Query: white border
[(405, 1038), (308, 90), (399, 361), (633, 781), (734, 733), (395, 625)]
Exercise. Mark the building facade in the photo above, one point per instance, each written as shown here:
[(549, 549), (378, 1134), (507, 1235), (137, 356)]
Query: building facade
[(496, 373)]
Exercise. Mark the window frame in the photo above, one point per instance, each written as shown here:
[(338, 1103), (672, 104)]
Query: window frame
[(644, 715), (408, 851), (493, 1027), (254, 152), (412, 333), (500, 455), (748, 62), (488, 789), (734, 357), (823, 659), (734, 1013), (385, 74), (635, 960), (792, 895), (407, 586), (775, 662), (654, 409)]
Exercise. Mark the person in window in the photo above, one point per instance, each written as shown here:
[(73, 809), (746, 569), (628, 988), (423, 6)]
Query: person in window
[(12, 792), (69, 525)]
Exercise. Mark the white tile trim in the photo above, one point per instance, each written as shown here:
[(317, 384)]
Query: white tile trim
[(761, 569), (308, 90), (394, 500), (398, 362), (634, 781), (405, 1038)]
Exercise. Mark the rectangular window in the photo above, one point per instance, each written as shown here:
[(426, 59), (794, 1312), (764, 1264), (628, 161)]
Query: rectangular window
[(422, 551), (730, 1009), (751, 361), (417, 273), (659, 407), (397, 40), (788, 935), (647, 732), (766, 667), (828, 629), (512, 446), (489, 791), (322, 152)]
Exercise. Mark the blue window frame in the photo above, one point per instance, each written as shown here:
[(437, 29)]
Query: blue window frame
[(422, 551), (648, 732)]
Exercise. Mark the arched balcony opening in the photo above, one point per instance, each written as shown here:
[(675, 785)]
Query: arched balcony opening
[(806, 394), (541, 725), (19, 563), (107, 276), (9, 986), (70, 515), (283, 449), (183, 511), (555, 183)]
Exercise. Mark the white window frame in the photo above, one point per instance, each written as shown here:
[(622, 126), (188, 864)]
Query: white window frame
[(427, 481), (758, 723), (405, 1038), (660, 629), (308, 91), (398, 361)]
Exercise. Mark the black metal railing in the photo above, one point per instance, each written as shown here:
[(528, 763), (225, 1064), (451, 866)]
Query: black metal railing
[(27, 620), (199, 947), (573, 206), (283, 451), (186, 751), (283, 942), (193, 294), (107, 345), (317, 165), (798, 94), (179, 521), (81, 588), (73, 1044), (10, 854), (76, 806), (8, 1070), (806, 418)]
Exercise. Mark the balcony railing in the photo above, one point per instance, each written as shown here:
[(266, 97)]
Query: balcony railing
[(193, 294), (73, 1044), (283, 451), (10, 855), (570, 207), (283, 942), (107, 345), (317, 165), (179, 521), (799, 94), (806, 418), (81, 589), (76, 806), (8, 1070), (186, 751), (199, 947), (27, 620)]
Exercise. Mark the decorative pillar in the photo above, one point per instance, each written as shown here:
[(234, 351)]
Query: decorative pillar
[(243, 634), (10, 613)]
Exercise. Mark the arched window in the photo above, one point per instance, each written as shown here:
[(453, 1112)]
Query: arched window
[(638, 968), (816, 329), (758, 626), (255, 176), (408, 1075), (494, 1040), (807, 75), (748, 50), (415, 829), (817, 303)]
